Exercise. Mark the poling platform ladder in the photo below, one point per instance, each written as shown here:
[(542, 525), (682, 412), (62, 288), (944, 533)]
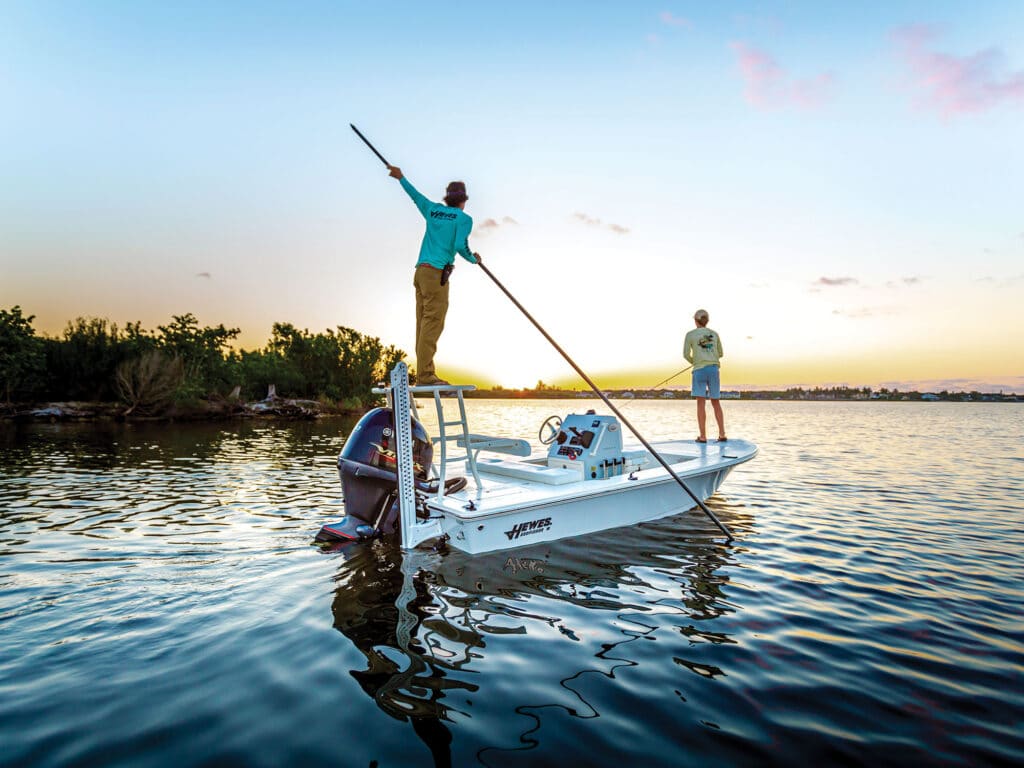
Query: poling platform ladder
[(415, 530)]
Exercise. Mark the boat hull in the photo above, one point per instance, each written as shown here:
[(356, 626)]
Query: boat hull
[(505, 514), (589, 514)]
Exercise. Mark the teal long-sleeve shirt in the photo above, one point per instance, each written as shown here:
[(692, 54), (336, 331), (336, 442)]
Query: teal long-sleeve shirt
[(447, 230)]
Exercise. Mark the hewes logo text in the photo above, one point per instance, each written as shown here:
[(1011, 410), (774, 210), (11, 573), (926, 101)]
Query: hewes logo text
[(525, 529)]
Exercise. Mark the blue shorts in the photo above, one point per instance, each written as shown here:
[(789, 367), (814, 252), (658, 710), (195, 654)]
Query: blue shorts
[(705, 382)]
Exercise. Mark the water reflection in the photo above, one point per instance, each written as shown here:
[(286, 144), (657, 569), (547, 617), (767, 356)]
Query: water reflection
[(169, 609), (103, 445), (382, 606), (431, 626)]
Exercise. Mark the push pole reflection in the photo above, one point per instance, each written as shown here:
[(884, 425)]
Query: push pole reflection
[(422, 620)]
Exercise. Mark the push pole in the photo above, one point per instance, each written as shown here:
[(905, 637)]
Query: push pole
[(366, 141), (608, 402)]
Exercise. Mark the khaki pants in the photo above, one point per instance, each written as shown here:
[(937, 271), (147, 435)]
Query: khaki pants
[(431, 308)]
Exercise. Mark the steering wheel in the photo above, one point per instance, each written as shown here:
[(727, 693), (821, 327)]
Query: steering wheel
[(549, 429)]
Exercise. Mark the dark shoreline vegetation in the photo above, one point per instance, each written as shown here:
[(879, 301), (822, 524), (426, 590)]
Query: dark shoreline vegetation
[(96, 370), (183, 371)]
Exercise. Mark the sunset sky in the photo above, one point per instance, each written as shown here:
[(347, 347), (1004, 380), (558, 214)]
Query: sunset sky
[(841, 185)]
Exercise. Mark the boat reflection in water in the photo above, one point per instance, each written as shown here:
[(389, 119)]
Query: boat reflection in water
[(435, 627), (382, 608)]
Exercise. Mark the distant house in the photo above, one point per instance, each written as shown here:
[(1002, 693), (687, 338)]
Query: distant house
[(668, 395), (730, 395), (929, 397), (628, 395)]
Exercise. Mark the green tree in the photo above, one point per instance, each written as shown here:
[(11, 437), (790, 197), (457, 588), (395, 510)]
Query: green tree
[(365, 362), (81, 364), (313, 361), (21, 357), (337, 364), (204, 352)]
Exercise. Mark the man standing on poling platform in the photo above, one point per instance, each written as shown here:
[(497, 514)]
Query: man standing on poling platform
[(447, 233)]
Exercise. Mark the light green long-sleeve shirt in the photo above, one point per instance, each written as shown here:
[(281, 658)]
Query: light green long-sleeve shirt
[(447, 230), (702, 347)]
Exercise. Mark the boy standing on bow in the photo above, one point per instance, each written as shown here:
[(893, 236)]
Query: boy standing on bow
[(702, 348)]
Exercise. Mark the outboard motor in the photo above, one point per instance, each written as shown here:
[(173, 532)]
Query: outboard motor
[(368, 469)]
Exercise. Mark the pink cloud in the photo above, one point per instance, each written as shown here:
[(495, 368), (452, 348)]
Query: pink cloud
[(836, 281), (859, 313), (673, 21), (955, 85), (590, 221), (910, 280), (767, 85), (490, 225)]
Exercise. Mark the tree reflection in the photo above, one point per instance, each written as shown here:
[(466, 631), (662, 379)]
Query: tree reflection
[(107, 445)]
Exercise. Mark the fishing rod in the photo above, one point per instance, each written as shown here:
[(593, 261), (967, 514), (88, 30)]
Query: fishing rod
[(665, 381), (679, 373), (608, 402)]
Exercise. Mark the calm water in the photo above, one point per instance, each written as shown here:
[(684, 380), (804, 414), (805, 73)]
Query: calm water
[(160, 604)]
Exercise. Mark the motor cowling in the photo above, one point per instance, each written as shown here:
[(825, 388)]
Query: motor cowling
[(368, 468), (373, 443)]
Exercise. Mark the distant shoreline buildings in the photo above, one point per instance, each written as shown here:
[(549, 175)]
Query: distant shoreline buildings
[(867, 394)]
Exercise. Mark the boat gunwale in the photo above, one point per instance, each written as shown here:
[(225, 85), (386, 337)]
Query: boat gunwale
[(453, 505)]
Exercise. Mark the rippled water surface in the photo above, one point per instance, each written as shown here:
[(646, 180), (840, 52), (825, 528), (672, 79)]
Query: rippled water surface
[(161, 604)]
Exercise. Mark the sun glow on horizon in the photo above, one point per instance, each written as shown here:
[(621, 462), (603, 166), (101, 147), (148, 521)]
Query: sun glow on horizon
[(792, 191)]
